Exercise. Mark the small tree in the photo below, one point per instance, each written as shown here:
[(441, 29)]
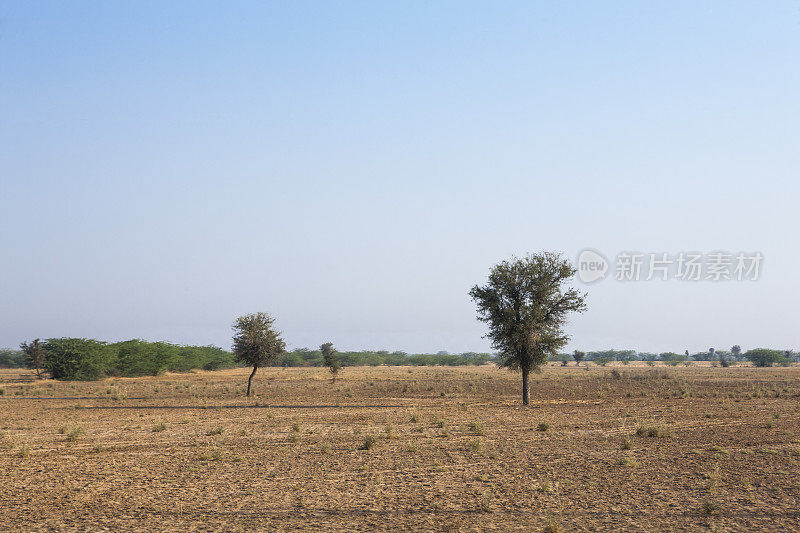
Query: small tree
[(330, 358), (34, 355), (525, 303), (256, 342), (578, 356)]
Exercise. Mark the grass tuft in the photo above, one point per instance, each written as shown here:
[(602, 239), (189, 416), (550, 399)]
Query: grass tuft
[(644, 430), (24, 452), (369, 443), (75, 433), (477, 428), (709, 507), (476, 445)]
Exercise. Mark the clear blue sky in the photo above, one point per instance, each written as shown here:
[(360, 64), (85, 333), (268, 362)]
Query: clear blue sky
[(355, 167)]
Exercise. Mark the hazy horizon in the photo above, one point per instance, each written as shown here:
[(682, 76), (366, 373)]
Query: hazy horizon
[(355, 169)]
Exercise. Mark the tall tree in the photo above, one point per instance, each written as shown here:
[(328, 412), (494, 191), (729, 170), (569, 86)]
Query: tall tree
[(330, 358), (736, 351), (526, 303), (578, 356), (34, 355), (256, 342)]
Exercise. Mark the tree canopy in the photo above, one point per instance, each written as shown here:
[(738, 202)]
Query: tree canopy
[(256, 342), (525, 304)]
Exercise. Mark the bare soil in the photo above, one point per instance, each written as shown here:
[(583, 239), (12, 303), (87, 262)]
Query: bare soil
[(623, 448)]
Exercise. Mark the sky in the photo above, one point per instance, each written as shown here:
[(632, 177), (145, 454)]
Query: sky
[(354, 168)]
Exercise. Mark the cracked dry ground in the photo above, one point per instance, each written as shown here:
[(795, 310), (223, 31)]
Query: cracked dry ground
[(717, 448)]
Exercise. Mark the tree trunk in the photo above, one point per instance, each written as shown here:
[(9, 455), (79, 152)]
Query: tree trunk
[(526, 392), (250, 379)]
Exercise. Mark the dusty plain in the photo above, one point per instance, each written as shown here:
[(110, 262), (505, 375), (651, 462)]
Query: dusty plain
[(622, 447)]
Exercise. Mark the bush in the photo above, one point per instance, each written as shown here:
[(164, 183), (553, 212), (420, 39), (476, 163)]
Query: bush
[(77, 359), (88, 359), (140, 358), (765, 357), (205, 357)]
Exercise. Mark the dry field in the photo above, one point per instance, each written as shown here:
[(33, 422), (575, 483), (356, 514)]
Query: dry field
[(640, 449)]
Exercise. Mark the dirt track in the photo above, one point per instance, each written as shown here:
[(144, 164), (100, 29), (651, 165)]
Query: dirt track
[(454, 450)]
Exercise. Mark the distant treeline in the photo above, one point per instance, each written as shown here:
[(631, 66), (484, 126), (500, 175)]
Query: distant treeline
[(89, 359), (758, 356), (307, 357), (12, 359)]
